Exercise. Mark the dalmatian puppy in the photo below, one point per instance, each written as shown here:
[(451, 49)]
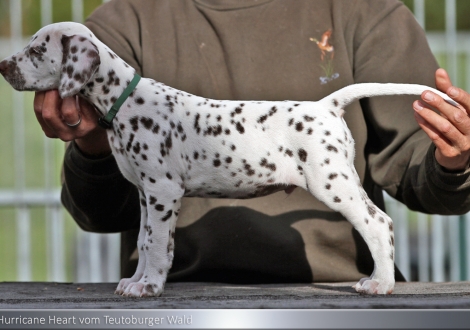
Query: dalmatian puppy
[(172, 144)]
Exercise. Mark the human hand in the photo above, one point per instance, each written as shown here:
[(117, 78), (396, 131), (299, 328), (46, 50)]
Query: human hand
[(58, 119), (449, 129)]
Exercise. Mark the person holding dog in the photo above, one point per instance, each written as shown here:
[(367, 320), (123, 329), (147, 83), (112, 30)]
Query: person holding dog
[(272, 50)]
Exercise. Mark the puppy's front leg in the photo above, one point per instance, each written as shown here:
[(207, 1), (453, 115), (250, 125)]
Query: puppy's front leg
[(158, 241), (124, 283)]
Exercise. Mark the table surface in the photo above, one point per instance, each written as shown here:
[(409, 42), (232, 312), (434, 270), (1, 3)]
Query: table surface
[(409, 295)]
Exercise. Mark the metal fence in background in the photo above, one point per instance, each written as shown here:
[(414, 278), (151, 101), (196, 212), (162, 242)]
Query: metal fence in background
[(428, 248), (438, 249), (96, 256)]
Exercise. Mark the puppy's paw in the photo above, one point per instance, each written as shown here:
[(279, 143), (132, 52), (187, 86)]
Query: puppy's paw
[(123, 284), (369, 285), (139, 289)]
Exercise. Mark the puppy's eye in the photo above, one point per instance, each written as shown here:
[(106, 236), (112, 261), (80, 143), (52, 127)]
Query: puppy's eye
[(35, 51)]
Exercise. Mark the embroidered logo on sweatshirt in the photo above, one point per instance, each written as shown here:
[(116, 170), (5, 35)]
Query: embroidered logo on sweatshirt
[(327, 55)]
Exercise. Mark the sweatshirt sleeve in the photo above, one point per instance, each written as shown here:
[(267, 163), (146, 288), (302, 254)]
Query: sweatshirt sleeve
[(96, 194), (393, 48)]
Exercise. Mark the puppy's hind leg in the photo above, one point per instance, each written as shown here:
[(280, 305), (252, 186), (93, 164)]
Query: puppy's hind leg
[(341, 191)]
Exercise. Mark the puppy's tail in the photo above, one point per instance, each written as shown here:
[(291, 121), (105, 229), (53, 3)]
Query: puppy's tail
[(348, 94)]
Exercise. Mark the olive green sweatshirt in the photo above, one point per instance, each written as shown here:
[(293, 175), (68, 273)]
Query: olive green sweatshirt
[(272, 50)]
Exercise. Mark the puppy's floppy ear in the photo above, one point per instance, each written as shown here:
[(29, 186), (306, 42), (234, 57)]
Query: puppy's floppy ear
[(80, 60)]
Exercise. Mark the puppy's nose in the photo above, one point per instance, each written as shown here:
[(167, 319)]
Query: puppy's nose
[(3, 67)]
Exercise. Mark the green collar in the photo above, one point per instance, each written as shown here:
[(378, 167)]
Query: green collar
[(106, 121)]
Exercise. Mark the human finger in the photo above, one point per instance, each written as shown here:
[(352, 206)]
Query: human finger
[(70, 112), (52, 116), (37, 107), (457, 116), (442, 79), (40, 105), (444, 84), (452, 146), (88, 112), (439, 128), (460, 96)]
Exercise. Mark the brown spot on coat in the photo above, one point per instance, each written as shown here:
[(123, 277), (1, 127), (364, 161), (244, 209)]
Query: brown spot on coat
[(302, 155), (167, 215)]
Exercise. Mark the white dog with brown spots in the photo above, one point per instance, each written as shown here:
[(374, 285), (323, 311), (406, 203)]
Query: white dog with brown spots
[(172, 144)]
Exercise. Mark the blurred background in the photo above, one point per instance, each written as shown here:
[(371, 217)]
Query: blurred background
[(40, 242)]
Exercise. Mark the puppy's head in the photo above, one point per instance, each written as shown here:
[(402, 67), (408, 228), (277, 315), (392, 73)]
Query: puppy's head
[(61, 56)]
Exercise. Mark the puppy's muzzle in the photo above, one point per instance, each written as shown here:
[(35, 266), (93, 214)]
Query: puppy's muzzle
[(3, 67), (12, 73)]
